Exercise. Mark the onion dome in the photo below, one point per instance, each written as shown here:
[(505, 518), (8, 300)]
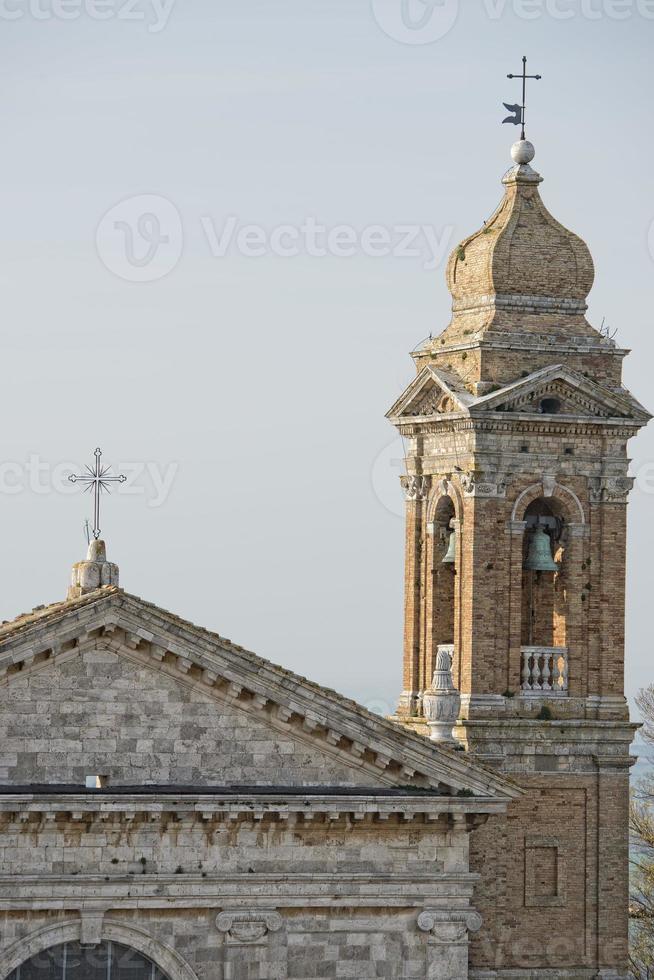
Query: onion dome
[(522, 259)]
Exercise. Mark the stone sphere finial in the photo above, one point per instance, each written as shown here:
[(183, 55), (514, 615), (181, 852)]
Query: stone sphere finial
[(523, 152)]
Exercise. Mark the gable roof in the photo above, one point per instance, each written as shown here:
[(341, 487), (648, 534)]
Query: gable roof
[(447, 382), (592, 399), (141, 631), (589, 399)]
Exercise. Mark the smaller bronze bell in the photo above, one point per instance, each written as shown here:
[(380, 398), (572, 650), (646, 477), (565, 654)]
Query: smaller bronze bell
[(450, 555), (539, 558)]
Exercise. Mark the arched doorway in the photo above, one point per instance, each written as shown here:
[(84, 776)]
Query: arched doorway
[(71, 961)]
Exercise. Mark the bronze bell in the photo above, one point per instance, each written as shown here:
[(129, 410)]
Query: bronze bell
[(539, 558), (450, 555)]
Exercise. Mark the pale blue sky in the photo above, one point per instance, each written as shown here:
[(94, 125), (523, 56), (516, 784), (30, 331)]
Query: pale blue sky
[(259, 385)]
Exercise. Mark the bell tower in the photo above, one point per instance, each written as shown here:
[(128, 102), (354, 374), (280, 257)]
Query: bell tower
[(516, 428)]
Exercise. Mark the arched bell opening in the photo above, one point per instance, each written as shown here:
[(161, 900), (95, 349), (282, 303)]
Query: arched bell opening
[(544, 607), (72, 961), (445, 559)]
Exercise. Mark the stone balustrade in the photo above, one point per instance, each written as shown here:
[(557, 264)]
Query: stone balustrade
[(545, 671)]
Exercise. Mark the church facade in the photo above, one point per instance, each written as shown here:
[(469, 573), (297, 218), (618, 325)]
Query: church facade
[(173, 806)]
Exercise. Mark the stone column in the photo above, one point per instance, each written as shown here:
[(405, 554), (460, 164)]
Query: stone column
[(447, 941), (253, 938), (415, 489), (516, 544)]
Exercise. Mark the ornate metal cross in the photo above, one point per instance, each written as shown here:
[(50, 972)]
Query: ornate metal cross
[(98, 481), (518, 117)]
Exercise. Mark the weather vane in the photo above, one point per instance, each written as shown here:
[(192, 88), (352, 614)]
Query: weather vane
[(518, 111), (96, 479)]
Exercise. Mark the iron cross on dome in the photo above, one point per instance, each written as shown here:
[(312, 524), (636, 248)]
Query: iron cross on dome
[(518, 117), (98, 480)]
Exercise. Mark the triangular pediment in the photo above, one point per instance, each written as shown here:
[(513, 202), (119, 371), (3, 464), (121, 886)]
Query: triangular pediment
[(190, 674), (557, 390), (433, 392)]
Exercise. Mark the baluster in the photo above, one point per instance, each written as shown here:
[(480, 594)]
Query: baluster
[(535, 671), (526, 686), (564, 672), (557, 665), (547, 673)]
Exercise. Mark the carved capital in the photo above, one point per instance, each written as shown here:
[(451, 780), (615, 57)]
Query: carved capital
[(610, 489), (248, 927), (415, 487), (484, 485), (449, 927)]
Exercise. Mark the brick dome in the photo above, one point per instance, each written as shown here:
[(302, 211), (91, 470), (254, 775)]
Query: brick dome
[(522, 257)]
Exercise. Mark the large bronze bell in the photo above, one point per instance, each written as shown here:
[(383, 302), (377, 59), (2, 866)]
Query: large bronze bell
[(450, 555), (539, 557)]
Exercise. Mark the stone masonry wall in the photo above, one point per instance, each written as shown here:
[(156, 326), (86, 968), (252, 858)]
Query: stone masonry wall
[(253, 900), (100, 714)]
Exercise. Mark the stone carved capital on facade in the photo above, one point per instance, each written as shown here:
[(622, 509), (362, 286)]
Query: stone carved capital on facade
[(610, 489), (486, 485), (247, 927), (415, 487), (449, 927)]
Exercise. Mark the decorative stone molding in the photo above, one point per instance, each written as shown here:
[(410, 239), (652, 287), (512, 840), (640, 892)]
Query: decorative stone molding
[(135, 937), (549, 488), (415, 487), (248, 927), (232, 675), (449, 927), (610, 489), (475, 486)]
